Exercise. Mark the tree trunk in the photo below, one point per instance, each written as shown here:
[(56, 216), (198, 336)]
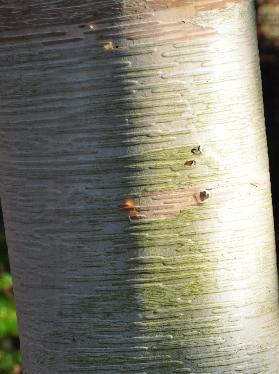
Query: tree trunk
[(135, 187)]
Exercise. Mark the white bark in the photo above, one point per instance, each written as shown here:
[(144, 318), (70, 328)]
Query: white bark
[(135, 188)]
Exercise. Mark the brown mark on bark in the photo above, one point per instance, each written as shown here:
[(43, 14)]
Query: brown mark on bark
[(203, 196), (38, 13), (129, 207), (163, 205), (193, 6), (190, 163)]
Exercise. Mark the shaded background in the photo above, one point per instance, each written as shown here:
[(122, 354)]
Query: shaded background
[(268, 34), (268, 19)]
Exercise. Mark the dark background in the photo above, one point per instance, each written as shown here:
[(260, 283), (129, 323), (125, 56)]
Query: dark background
[(270, 79)]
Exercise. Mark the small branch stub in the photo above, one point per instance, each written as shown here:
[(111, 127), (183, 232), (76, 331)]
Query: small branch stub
[(190, 163), (202, 197), (108, 46), (129, 206), (196, 150)]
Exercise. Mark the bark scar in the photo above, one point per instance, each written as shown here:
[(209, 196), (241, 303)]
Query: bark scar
[(163, 205)]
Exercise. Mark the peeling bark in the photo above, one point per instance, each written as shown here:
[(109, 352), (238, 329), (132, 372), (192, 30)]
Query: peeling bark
[(135, 187)]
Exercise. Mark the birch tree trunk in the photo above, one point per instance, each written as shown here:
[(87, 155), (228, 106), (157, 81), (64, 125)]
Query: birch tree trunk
[(135, 187)]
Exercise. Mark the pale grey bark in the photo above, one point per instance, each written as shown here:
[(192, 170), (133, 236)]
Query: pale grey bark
[(135, 188)]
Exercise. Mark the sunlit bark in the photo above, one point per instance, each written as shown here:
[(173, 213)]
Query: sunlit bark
[(135, 187)]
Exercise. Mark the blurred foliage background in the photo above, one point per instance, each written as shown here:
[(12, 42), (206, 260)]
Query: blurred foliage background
[(9, 341), (268, 20)]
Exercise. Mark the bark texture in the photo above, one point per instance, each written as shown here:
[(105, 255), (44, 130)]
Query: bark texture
[(135, 187)]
